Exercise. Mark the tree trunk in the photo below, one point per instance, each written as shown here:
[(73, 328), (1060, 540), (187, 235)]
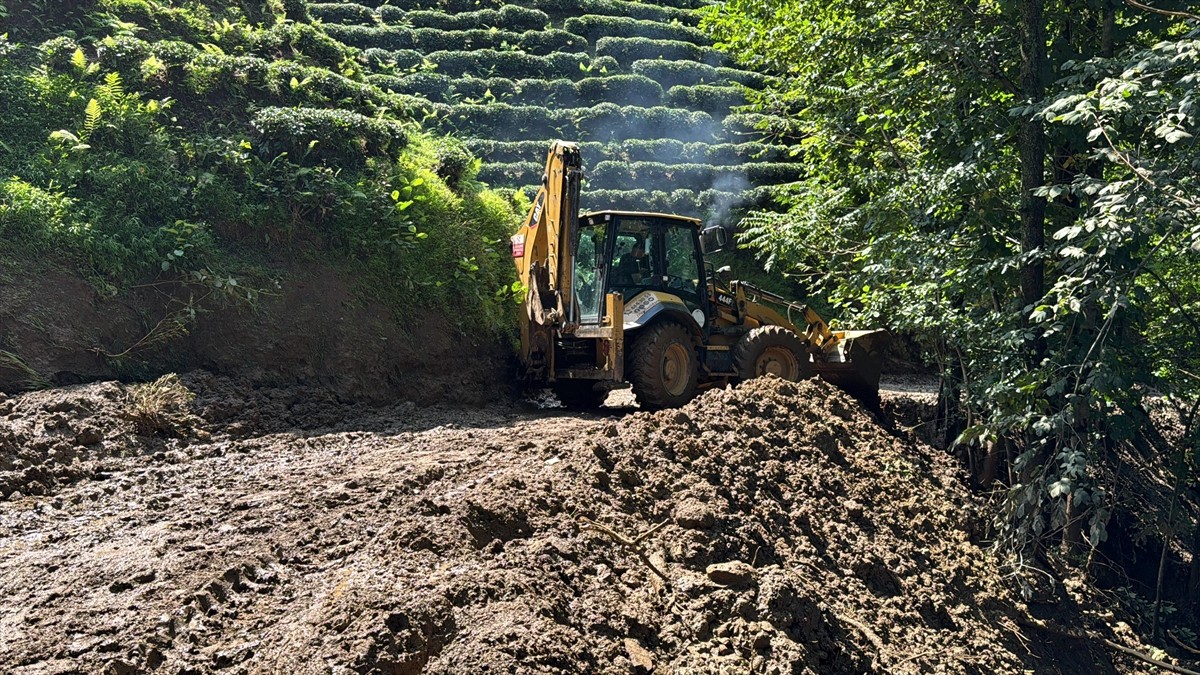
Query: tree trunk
[(1031, 149), (1193, 594)]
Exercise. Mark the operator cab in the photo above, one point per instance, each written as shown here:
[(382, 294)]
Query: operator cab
[(632, 253)]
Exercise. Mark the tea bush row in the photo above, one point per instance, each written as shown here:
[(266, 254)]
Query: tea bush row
[(426, 40), (760, 125), (713, 99), (680, 201), (666, 151), (620, 89), (665, 12), (627, 50), (602, 122), (594, 27), (693, 176), (343, 13), (673, 73), (509, 17), (491, 63)]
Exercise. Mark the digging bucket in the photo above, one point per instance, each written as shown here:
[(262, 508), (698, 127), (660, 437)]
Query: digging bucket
[(854, 363)]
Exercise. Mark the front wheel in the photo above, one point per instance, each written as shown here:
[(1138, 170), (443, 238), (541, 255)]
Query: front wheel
[(772, 350), (663, 367)]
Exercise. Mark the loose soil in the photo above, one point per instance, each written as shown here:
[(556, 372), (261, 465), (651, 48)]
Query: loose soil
[(771, 528)]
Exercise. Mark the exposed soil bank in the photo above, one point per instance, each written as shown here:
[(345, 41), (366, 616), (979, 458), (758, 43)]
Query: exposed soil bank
[(55, 328)]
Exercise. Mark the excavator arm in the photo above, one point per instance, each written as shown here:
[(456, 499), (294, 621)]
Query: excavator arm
[(541, 251)]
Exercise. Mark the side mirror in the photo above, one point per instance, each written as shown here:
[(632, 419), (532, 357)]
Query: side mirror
[(714, 238)]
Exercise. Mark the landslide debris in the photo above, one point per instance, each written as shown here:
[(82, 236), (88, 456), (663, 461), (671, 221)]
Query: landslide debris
[(771, 528)]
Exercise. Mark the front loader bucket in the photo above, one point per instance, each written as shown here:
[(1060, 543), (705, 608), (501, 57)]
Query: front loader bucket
[(854, 364)]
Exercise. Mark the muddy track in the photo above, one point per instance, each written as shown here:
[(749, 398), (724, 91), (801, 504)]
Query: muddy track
[(773, 528)]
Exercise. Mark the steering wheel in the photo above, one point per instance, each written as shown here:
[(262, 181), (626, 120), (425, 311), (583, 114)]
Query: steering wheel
[(678, 282)]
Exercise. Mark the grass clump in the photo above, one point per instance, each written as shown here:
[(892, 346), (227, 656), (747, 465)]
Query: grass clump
[(160, 408)]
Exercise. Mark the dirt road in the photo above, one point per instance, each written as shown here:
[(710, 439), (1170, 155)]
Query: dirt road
[(774, 528)]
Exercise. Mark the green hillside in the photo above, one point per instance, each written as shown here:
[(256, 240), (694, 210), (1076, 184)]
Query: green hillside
[(201, 145)]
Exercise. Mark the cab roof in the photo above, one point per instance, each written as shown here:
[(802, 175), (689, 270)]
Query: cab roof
[(694, 222)]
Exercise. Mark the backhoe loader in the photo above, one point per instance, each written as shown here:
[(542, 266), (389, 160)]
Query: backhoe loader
[(617, 296)]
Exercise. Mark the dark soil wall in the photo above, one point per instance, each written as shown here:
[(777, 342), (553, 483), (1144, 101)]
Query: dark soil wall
[(317, 329)]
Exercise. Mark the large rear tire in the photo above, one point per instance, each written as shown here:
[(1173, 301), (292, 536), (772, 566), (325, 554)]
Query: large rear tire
[(772, 350), (579, 394), (664, 368)]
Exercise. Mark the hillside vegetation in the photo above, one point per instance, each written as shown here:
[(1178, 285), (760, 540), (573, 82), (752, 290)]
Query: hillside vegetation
[(208, 149)]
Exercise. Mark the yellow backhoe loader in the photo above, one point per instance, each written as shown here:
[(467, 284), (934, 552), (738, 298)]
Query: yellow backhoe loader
[(617, 296)]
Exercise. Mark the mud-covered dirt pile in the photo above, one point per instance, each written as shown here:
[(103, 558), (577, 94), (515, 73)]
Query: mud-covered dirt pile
[(56, 436), (59, 435), (797, 535), (771, 528), (774, 528)]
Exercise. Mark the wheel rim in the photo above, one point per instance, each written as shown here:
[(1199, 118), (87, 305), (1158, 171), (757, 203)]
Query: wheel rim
[(675, 369), (780, 362)]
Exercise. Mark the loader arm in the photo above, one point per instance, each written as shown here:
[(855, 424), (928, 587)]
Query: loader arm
[(849, 359)]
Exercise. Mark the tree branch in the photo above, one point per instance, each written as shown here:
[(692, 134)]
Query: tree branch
[(1164, 12)]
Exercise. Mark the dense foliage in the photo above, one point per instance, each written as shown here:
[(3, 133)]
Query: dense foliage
[(1014, 184)]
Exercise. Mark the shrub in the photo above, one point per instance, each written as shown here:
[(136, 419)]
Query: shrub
[(518, 173), (665, 150), (508, 121), (515, 17), (124, 55), (447, 6), (744, 77), (510, 17), (763, 173), (312, 43), (595, 27), (342, 12), (294, 10), (635, 90), (392, 13), (512, 152), (686, 176), (29, 213), (713, 99), (560, 92), (341, 137), (548, 41), (57, 53), (682, 202), (385, 61), (738, 153), (608, 122), (213, 73), (430, 85), (675, 73), (162, 21), (487, 63), (455, 163), (373, 37), (757, 124), (621, 8), (174, 52), (627, 50)]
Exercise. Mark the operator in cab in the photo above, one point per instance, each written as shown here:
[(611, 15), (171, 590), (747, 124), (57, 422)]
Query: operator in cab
[(633, 266)]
